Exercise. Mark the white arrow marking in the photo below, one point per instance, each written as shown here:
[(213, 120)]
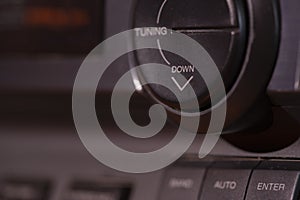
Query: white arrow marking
[(160, 11), (183, 87), (162, 53)]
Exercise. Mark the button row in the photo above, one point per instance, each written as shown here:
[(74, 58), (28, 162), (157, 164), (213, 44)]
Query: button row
[(248, 180)]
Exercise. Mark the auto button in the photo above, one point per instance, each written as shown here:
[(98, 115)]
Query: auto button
[(227, 180)]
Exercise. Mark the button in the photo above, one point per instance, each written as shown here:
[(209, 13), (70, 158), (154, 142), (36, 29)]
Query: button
[(223, 46), (186, 14), (215, 24), (218, 44), (198, 13), (97, 191), (227, 181), (182, 183), (273, 181), (24, 190)]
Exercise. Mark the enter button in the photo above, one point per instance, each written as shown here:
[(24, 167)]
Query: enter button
[(274, 182)]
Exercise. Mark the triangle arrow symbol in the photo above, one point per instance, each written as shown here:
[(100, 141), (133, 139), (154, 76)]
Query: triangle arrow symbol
[(181, 88)]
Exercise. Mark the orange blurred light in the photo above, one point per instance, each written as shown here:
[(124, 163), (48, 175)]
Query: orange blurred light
[(52, 17)]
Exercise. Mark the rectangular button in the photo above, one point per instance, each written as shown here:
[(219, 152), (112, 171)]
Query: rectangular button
[(97, 191), (182, 183), (273, 181), (24, 190), (227, 180), (199, 14)]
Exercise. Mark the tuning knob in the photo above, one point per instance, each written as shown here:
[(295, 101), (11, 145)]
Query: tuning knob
[(241, 37)]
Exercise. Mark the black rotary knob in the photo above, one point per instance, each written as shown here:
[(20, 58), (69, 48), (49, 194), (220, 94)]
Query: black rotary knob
[(242, 37), (218, 25)]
